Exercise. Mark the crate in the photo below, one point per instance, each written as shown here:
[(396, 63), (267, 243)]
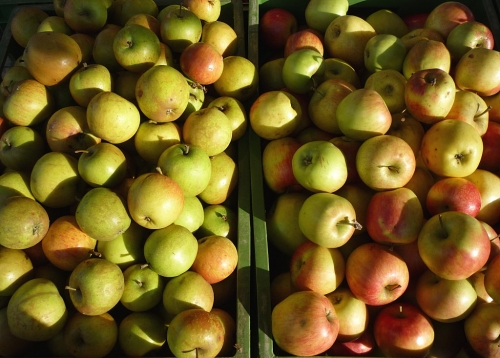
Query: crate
[(231, 13), (268, 261)]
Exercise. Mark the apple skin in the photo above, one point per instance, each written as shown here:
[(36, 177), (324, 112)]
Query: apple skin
[(478, 71), (349, 147), (453, 194), (275, 26), (492, 280), (454, 245), (482, 329), (380, 46), (459, 155), (426, 54), (316, 268), (403, 330), (429, 95), (304, 323), (468, 35), (409, 253), (471, 108), (318, 14), (202, 63), (415, 21), (418, 34), (361, 346), (390, 84), (488, 185), (445, 300), (306, 38), (302, 70), (376, 274), (490, 160), (394, 217), (446, 16)]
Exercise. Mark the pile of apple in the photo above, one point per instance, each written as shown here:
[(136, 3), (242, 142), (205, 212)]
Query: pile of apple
[(380, 139), (118, 149)]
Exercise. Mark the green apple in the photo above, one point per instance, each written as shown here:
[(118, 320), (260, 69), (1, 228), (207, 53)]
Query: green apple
[(303, 70), (180, 28), (363, 114), (319, 14), (102, 214), (13, 75), (14, 183), (89, 80), (271, 75), (36, 311), (275, 114), (143, 288), (164, 12), (170, 251), (327, 219), (471, 108), (102, 165), (153, 138), (390, 84), (338, 68), (383, 52), (220, 35), (235, 111), (188, 290), (162, 93), (385, 21), (141, 334), (209, 129), (195, 332), (192, 215), (55, 23), (239, 79), (90, 336), (24, 222), (16, 268), (112, 118), (477, 71), (126, 249), (223, 180), (136, 48), (218, 219), (85, 16), (95, 286), (25, 23), (319, 166), (154, 200), (196, 100), (21, 147)]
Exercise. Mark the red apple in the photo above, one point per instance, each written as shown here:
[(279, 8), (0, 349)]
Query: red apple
[(275, 26), (415, 21), (403, 330), (361, 346), (202, 63), (482, 328), (409, 253), (453, 194), (376, 274), (306, 38), (492, 279), (304, 323), (490, 160), (446, 16)]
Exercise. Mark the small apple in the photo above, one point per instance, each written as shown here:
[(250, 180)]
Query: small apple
[(275, 26)]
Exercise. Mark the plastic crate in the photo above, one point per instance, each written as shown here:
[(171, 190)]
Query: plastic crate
[(268, 260), (231, 13)]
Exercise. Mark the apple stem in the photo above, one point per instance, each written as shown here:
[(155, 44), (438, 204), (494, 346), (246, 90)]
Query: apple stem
[(483, 112), (442, 225), (393, 287), (143, 266), (186, 149), (390, 167), (494, 238), (222, 216), (158, 169), (7, 142), (81, 151), (70, 288), (353, 222), (95, 253), (152, 122), (139, 283), (400, 309), (194, 84)]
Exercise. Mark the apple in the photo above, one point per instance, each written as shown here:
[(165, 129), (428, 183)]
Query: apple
[(376, 274), (13, 183), (303, 70), (192, 214), (25, 23), (468, 35), (153, 138), (454, 245), (318, 14), (136, 48), (130, 8), (86, 43), (380, 46), (390, 84), (491, 280), (316, 268), (280, 287), (487, 182), (143, 288), (409, 129), (216, 258), (223, 180), (221, 36), (186, 291), (416, 20), (180, 28), (477, 71), (490, 159), (102, 165), (338, 68), (445, 300), (394, 340), (84, 16), (275, 26), (21, 147), (385, 21), (141, 333), (85, 335), (363, 114), (146, 20), (426, 54), (229, 323), (306, 38), (418, 34), (274, 114), (271, 75), (346, 37), (453, 194), (477, 280), (202, 63), (322, 106), (361, 346), (239, 79), (13, 75), (379, 168), (459, 155), (208, 129), (236, 113), (471, 108), (36, 311), (304, 323), (359, 195), (102, 51), (17, 268), (481, 329), (349, 147), (429, 95), (89, 80), (394, 217), (218, 219), (319, 166), (170, 251), (352, 314), (446, 16), (491, 101), (154, 200), (160, 102), (195, 331)]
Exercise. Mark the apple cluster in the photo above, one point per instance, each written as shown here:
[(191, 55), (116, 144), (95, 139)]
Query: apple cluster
[(380, 158), (119, 129)]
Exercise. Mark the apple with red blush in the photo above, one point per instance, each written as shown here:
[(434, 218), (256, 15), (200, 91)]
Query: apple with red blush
[(453, 194), (275, 26)]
